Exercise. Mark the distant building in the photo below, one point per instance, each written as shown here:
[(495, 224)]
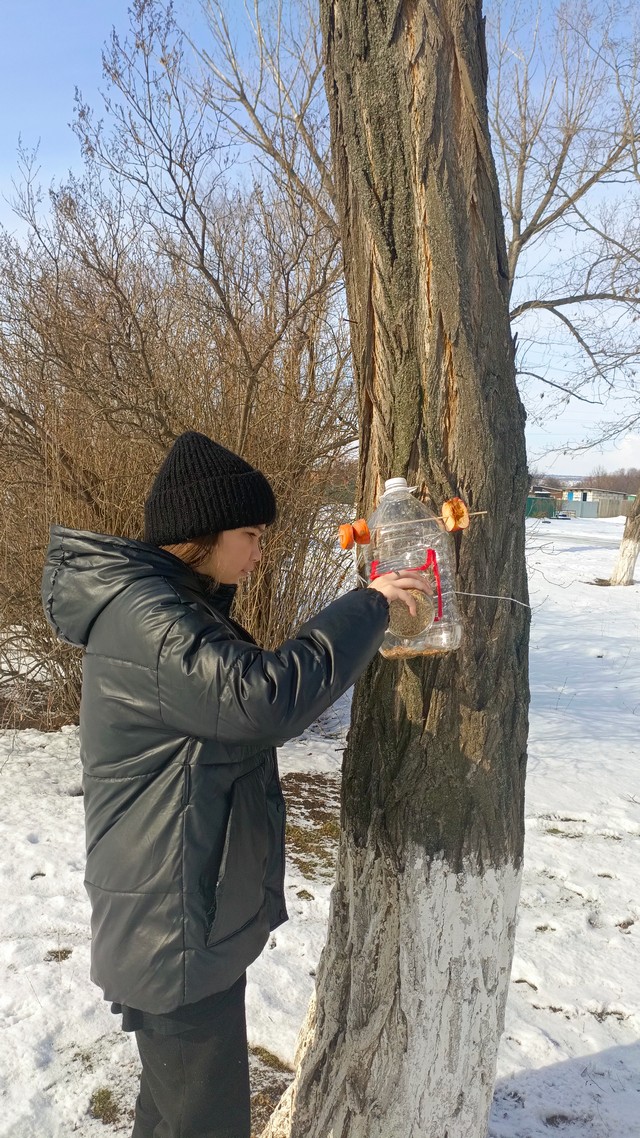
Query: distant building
[(574, 500), (593, 494), (543, 491)]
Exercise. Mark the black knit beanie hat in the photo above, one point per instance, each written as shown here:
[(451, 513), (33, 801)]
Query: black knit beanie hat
[(203, 488)]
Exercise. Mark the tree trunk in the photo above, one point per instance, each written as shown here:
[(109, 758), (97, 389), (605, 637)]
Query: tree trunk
[(402, 1038), (629, 548)]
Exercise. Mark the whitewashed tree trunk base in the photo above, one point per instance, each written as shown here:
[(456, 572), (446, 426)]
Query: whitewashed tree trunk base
[(626, 563), (434, 961)]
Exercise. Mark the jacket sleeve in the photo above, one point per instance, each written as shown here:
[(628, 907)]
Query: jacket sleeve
[(212, 686)]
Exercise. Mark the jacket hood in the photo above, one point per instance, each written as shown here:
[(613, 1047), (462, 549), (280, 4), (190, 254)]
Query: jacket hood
[(84, 572)]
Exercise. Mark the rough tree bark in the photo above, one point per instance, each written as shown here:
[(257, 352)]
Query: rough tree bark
[(629, 551), (402, 1038)]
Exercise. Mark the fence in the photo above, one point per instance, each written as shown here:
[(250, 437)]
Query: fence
[(580, 509), (613, 509), (541, 507), (604, 508)]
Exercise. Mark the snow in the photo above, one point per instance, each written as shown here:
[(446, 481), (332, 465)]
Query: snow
[(570, 1056)]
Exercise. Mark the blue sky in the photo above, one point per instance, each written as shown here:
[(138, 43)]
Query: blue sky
[(47, 49), (50, 47)]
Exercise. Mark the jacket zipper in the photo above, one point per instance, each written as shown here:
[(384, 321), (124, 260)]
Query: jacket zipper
[(186, 773), (282, 803)]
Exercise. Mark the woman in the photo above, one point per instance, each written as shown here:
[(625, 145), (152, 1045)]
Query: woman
[(180, 715)]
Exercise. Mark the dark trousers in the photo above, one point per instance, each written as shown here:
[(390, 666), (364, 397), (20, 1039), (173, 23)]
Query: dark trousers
[(195, 1084)]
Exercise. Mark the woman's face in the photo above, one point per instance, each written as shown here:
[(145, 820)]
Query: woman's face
[(236, 553)]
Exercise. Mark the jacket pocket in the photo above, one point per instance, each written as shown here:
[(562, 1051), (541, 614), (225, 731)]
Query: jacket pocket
[(239, 890)]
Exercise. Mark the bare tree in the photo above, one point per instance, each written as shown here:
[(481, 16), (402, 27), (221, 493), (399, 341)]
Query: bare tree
[(165, 142), (565, 118), (402, 1036), (274, 103), (629, 551), (625, 481), (111, 343)]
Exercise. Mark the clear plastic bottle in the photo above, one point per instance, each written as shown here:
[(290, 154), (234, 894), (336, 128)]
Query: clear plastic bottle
[(406, 534)]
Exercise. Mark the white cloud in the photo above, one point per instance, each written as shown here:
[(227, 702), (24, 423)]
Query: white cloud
[(564, 461), (625, 454)]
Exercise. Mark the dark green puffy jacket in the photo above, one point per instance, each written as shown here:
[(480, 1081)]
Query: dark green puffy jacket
[(179, 717)]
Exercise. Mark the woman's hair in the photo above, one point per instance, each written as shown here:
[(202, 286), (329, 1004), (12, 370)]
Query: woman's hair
[(193, 553)]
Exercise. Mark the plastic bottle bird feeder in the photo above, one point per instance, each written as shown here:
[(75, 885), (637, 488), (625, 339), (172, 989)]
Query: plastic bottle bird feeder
[(403, 533)]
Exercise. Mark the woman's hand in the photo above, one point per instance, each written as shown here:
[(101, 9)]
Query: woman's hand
[(396, 586)]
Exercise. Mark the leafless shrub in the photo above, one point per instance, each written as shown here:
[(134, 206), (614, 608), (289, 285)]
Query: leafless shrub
[(111, 344)]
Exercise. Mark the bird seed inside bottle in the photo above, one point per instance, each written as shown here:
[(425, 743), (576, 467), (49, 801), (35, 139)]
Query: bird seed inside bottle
[(402, 623)]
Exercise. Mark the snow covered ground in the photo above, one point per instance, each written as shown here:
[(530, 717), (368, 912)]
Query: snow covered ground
[(570, 1056)]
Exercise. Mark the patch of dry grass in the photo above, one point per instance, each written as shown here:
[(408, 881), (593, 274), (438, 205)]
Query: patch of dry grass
[(313, 825), (270, 1078), (58, 954), (104, 1106)]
